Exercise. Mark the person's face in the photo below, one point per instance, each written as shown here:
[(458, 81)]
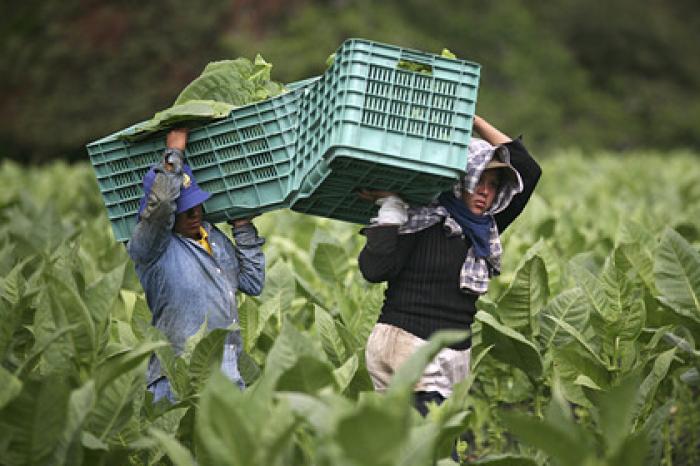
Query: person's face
[(187, 223), (484, 194)]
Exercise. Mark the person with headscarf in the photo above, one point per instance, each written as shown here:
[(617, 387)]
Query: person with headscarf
[(189, 269), (438, 259)]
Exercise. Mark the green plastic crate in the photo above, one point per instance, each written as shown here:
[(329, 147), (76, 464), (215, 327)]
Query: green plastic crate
[(247, 161), (330, 189), (387, 118)]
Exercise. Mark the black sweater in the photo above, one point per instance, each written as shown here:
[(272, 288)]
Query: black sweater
[(422, 269)]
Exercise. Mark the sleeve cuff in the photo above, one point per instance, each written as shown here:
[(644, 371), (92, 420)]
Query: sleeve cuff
[(247, 235), (381, 239)]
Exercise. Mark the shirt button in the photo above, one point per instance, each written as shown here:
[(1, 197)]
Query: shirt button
[(218, 270), (230, 293)]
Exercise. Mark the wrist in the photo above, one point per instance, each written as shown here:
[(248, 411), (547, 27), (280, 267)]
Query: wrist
[(392, 211), (173, 159), (239, 222)]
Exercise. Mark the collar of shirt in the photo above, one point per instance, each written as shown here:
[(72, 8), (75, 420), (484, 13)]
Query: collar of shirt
[(204, 240)]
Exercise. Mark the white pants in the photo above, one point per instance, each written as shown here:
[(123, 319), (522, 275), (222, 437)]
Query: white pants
[(388, 347)]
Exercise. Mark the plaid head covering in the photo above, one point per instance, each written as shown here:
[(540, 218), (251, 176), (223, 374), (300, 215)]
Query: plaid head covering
[(476, 271)]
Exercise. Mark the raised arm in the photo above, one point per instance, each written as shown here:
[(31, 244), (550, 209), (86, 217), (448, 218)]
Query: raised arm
[(251, 259), (489, 133), (385, 251), (153, 230), (521, 160)]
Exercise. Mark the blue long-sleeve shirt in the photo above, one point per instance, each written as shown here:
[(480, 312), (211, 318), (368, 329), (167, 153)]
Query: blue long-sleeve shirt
[(184, 284)]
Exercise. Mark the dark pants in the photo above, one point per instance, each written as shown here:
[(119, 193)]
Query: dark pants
[(421, 401)]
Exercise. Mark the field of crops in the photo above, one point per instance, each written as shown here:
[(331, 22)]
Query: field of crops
[(587, 348)]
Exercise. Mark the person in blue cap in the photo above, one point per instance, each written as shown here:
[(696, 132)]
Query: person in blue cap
[(189, 269)]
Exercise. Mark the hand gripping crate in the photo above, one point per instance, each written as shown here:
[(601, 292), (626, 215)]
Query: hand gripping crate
[(246, 161), (384, 118)]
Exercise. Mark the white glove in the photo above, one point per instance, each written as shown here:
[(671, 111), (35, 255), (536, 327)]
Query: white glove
[(392, 211)]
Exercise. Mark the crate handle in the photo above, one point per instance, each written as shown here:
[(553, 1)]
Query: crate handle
[(414, 62)]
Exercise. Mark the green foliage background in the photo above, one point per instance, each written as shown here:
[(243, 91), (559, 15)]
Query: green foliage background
[(618, 74), (585, 351)]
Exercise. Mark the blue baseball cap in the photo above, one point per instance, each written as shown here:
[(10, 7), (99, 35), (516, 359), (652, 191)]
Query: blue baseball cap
[(191, 194)]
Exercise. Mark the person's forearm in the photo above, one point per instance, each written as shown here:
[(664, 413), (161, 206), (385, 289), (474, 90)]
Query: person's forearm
[(152, 232), (380, 259), (530, 173), (251, 260), (489, 133)]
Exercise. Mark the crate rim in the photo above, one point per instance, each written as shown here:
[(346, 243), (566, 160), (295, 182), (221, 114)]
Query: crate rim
[(350, 40)]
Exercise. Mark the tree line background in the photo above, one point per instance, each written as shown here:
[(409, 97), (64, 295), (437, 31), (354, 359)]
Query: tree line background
[(614, 75)]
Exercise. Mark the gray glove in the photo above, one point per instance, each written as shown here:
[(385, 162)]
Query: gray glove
[(175, 158), (160, 203)]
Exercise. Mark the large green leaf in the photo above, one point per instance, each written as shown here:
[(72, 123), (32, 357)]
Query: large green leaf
[(373, 434), (40, 348), (345, 374), (234, 427), (330, 339), (318, 413), (307, 375), (255, 317), (615, 411), (625, 311), (47, 333), (580, 339), (174, 368), (279, 282), (653, 429), (549, 257), (569, 306), (68, 308), (644, 400), (639, 245), (554, 436), (196, 110), (331, 262), (361, 381), (206, 357), (177, 453), (359, 308), (101, 295), (12, 300), (677, 272), (248, 367), (222, 86), (80, 404), (34, 421), (510, 347), (592, 286), (225, 434), (525, 297), (123, 362), (115, 406), (633, 450), (570, 364), (420, 446), (249, 320), (289, 346), (234, 81), (10, 386)]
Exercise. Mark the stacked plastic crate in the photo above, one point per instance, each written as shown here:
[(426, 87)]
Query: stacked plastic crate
[(247, 161), (383, 118), (380, 118)]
